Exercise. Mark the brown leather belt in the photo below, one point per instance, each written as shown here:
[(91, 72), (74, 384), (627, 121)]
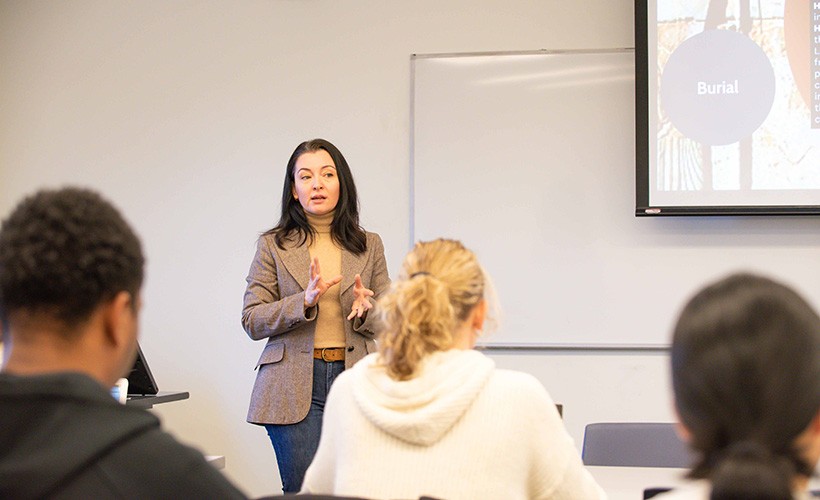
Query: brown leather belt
[(329, 354)]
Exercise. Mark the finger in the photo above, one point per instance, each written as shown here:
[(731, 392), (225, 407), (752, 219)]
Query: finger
[(365, 292), (313, 265), (359, 281), (333, 281), (351, 315), (311, 284), (316, 266)]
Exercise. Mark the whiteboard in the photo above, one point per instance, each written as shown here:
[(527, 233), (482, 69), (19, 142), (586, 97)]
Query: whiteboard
[(528, 158)]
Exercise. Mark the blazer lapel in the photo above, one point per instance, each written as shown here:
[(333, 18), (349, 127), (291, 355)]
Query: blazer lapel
[(296, 259), (352, 265)]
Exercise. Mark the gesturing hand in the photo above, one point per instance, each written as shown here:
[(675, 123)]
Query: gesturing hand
[(361, 303), (317, 285)]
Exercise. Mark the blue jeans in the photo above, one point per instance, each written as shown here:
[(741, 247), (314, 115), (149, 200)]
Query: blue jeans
[(295, 444)]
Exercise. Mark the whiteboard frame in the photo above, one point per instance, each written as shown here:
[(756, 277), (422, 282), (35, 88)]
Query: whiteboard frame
[(514, 346)]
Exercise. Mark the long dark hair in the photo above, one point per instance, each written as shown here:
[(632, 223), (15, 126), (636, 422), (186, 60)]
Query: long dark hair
[(746, 377), (344, 229)]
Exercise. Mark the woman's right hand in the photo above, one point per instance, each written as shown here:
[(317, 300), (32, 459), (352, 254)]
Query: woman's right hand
[(317, 286)]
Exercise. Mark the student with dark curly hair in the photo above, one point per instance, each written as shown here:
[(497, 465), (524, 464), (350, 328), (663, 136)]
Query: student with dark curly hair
[(71, 270), (746, 376)]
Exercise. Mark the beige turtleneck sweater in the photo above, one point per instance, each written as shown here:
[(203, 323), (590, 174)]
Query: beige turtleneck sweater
[(330, 330)]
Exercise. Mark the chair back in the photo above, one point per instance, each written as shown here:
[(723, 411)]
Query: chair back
[(635, 444)]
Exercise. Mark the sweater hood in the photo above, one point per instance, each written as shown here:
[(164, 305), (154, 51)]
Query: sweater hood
[(423, 409), (54, 426)]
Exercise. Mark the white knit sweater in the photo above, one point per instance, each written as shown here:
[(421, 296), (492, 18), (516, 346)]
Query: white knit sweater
[(460, 429)]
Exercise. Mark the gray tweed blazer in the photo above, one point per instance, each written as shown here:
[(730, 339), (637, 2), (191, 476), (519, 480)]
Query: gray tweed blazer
[(274, 310)]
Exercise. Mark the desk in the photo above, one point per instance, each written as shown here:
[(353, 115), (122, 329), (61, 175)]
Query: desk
[(148, 401), (628, 483)]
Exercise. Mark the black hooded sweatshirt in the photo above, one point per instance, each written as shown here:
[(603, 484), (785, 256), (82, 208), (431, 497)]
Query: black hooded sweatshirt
[(64, 436)]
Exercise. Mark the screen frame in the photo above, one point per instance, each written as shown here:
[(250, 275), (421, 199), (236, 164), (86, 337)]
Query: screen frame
[(141, 381), (643, 208)]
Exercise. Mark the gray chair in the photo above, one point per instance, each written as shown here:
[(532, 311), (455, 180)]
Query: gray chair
[(635, 444)]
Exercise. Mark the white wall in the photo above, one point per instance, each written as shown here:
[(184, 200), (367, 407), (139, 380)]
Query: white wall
[(184, 113)]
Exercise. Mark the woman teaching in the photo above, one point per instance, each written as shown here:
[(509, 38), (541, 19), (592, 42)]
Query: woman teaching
[(311, 285)]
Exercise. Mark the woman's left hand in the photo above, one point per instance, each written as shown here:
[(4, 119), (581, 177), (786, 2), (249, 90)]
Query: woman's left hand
[(361, 303)]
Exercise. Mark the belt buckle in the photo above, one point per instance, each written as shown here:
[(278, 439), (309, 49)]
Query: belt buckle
[(323, 356)]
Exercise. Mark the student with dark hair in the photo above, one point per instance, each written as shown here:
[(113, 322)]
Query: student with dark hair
[(746, 378), (308, 295), (429, 415), (71, 270)]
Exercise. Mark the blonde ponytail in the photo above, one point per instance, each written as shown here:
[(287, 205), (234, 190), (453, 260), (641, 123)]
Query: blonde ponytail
[(439, 284)]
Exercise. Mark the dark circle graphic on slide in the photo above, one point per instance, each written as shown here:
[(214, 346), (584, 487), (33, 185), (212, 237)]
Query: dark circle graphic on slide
[(717, 87)]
